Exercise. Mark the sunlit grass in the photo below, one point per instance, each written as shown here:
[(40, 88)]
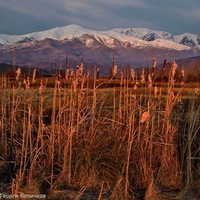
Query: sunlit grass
[(101, 134)]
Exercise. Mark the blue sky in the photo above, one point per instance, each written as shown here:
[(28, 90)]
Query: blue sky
[(26, 16)]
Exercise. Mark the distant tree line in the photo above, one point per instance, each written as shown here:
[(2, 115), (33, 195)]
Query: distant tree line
[(191, 73)]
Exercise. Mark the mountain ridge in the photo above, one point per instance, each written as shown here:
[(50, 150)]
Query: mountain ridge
[(134, 46), (71, 31)]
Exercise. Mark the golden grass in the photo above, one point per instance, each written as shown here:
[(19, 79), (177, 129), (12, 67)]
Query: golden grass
[(100, 135)]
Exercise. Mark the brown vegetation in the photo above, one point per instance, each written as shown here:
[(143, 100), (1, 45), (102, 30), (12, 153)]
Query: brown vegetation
[(82, 140)]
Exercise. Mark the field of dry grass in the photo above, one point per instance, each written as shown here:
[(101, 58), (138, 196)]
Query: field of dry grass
[(100, 139)]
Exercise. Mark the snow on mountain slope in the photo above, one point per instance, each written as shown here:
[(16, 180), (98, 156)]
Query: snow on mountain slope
[(55, 33), (145, 34), (187, 39), (161, 43), (136, 37)]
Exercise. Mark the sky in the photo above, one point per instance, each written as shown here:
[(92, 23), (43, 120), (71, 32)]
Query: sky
[(19, 17)]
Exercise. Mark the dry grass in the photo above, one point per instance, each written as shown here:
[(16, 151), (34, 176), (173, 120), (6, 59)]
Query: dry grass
[(122, 142)]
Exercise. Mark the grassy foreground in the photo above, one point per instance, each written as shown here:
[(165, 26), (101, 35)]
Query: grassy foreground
[(101, 139)]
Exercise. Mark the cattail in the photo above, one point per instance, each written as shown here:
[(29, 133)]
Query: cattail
[(75, 85), (134, 96), (114, 70), (149, 81), (182, 72), (18, 72), (171, 95), (134, 91), (98, 72), (132, 75), (28, 83), (121, 78), (142, 77), (4, 82), (164, 64), (153, 67), (67, 75), (136, 81), (58, 83), (60, 72), (41, 88), (145, 117), (24, 84), (196, 90), (72, 74), (155, 91), (77, 72), (135, 87), (182, 76), (173, 70), (160, 92), (34, 75), (81, 70)]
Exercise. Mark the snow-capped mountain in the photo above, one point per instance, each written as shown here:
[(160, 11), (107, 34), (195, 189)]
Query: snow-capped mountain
[(135, 36), (130, 45), (140, 36)]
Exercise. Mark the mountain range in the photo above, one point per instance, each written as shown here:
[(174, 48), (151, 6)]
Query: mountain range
[(127, 46)]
